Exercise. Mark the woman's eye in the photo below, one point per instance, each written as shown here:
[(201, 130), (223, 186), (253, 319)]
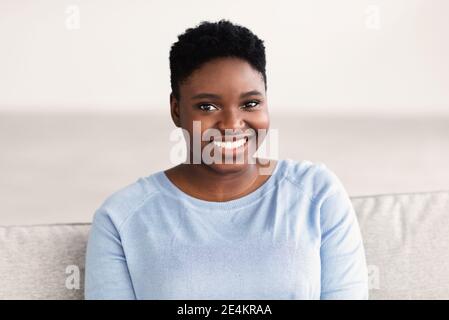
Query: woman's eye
[(206, 107), (251, 104)]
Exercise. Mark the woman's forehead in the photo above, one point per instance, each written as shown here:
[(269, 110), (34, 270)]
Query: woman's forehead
[(222, 77)]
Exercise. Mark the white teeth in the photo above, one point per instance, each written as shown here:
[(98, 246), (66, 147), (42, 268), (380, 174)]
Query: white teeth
[(230, 145)]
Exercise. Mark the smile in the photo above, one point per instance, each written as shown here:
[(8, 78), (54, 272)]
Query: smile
[(230, 145)]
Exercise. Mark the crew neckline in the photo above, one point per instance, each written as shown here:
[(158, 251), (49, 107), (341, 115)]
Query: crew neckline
[(168, 186)]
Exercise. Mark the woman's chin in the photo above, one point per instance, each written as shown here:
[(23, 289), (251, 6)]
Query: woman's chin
[(228, 167)]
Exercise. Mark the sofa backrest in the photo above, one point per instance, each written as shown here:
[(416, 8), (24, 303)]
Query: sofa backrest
[(406, 238)]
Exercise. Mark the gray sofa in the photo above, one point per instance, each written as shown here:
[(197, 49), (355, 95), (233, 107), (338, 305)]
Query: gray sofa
[(406, 239)]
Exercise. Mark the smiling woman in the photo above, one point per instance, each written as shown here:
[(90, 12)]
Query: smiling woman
[(233, 93), (251, 229)]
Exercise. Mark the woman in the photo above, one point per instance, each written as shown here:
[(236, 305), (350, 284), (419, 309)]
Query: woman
[(212, 228)]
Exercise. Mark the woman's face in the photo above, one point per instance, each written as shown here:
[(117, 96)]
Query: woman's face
[(227, 97)]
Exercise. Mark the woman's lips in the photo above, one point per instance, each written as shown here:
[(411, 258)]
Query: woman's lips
[(234, 147), (237, 143), (230, 138)]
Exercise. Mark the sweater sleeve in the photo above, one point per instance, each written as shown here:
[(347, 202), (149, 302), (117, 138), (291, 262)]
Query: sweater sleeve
[(344, 272), (107, 275)]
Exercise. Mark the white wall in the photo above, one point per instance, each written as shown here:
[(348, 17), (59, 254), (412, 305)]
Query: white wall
[(342, 56)]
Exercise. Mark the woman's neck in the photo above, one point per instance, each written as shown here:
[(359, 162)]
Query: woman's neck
[(203, 182)]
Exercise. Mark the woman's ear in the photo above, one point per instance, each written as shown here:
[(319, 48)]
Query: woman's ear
[(174, 110)]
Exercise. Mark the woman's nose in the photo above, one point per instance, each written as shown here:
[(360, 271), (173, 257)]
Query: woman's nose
[(231, 119)]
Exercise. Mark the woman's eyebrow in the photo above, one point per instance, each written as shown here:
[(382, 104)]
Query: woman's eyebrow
[(205, 95), (250, 93)]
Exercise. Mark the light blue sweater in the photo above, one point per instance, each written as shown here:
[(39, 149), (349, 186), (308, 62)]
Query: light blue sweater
[(295, 237)]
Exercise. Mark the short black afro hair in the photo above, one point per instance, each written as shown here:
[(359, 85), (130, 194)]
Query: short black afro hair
[(210, 40)]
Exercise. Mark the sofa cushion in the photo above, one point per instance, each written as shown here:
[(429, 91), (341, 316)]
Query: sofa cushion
[(406, 238), (42, 261)]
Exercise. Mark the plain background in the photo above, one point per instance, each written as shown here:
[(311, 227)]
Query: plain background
[(361, 86)]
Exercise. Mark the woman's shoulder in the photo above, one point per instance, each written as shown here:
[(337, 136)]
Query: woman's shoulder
[(315, 179), (122, 202)]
